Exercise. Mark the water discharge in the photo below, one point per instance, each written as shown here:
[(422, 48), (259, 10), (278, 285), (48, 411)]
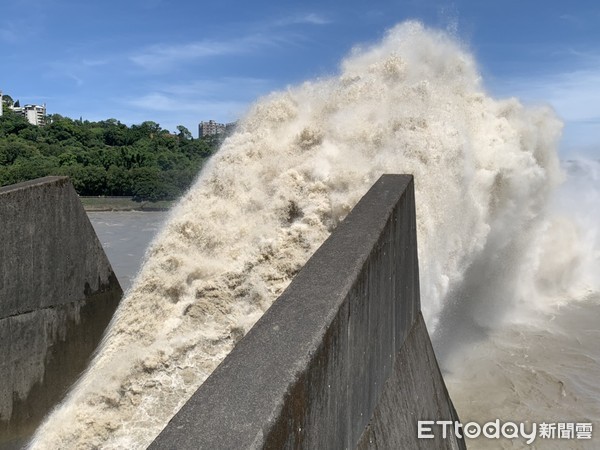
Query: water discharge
[(299, 161), (542, 363)]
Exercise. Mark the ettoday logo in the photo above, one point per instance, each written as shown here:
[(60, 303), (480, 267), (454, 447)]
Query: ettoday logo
[(429, 429)]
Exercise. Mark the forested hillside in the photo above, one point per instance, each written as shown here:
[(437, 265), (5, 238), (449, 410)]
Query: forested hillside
[(102, 158)]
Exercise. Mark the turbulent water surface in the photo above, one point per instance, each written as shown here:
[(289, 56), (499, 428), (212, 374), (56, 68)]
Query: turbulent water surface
[(501, 260), (542, 362)]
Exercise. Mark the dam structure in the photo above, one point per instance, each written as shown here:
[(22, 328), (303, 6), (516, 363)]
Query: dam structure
[(58, 293), (341, 360)]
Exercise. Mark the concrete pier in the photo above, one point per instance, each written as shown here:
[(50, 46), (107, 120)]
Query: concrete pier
[(57, 295), (341, 360)]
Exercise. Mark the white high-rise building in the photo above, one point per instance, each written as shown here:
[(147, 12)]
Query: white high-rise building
[(35, 114)]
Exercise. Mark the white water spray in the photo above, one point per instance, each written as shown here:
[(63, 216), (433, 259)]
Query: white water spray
[(298, 163)]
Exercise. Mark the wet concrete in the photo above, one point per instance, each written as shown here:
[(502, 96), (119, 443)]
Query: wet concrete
[(57, 295)]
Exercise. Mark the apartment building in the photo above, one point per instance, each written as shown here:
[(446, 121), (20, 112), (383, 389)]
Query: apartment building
[(212, 128), (35, 114)]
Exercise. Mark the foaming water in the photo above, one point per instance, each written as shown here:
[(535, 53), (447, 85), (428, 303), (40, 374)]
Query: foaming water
[(299, 161), (543, 363)]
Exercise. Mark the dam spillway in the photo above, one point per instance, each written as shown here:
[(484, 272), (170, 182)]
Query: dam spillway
[(342, 359), (297, 164), (58, 293)]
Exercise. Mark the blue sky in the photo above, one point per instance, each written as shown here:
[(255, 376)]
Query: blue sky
[(180, 62)]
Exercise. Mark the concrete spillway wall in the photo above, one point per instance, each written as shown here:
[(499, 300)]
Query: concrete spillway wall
[(341, 360), (57, 294)]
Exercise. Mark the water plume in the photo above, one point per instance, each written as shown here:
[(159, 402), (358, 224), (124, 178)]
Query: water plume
[(297, 164)]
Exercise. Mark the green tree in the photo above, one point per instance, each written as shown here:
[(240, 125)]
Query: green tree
[(25, 169), (147, 184), (12, 123), (118, 181), (102, 158), (7, 100), (184, 133), (89, 180)]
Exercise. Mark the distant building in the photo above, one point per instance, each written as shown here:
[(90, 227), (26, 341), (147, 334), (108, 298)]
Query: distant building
[(35, 114), (212, 128)]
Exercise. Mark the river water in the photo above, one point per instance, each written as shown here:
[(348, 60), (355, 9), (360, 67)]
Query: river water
[(125, 236)]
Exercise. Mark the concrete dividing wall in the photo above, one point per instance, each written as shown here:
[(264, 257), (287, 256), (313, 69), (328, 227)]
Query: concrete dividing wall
[(341, 360), (57, 294)]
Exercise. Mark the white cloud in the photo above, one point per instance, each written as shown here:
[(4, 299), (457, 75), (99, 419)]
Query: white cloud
[(570, 18), (78, 80), (315, 19), (163, 56), (307, 19), (94, 62), (77, 69), (223, 87), (188, 103), (164, 103), (171, 111), (156, 101), (194, 95), (574, 95)]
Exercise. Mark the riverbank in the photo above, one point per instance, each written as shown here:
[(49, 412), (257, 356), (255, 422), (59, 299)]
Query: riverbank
[(123, 204)]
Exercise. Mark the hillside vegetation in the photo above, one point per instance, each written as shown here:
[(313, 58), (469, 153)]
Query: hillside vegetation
[(103, 158)]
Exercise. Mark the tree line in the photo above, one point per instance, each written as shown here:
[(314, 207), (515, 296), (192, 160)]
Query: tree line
[(107, 157)]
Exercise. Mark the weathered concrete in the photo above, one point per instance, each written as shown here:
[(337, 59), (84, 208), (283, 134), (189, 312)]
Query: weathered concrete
[(416, 390), (57, 294), (341, 359)]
